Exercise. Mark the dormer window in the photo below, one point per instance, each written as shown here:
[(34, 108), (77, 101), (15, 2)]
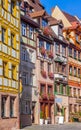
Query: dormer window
[(44, 23)]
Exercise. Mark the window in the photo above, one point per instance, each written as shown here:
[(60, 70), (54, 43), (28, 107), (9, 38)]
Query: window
[(3, 106), (64, 90), (75, 54), (74, 92), (79, 55), (78, 92), (70, 52), (75, 71), (12, 40), (48, 47), (75, 108), (49, 67), (58, 88), (13, 72), (70, 107), (49, 89), (57, 48), (31, 79), (27, 107), (24, 54), (63, 69), (31, 55), (24, 33), (31, 32), (41, 65), (42, 88), (70, 70), (5, 69), (41, 43), (70, 91), (12, 7), (44, 23), (3, 35), (25, 78), (63, 50), (12, 107), (79, 73)]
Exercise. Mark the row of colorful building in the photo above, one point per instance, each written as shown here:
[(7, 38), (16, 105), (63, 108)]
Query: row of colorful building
[(40, 64)]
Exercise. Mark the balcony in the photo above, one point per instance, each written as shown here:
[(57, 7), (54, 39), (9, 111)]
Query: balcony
[(43, 73)]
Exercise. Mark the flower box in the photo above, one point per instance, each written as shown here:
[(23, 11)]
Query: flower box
[(50, 54), (44, 95), (42, 50), (51, 97)]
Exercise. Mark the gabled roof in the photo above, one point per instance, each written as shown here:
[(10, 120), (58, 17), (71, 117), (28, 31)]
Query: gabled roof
[(37, 13)]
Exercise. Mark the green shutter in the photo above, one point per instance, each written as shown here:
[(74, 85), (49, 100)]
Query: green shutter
[(67, 90), (61, 88), (55, 89), (55, 110), (62, 110)]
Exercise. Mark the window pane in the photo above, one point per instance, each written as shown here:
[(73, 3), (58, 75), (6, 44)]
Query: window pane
[(24, 33)]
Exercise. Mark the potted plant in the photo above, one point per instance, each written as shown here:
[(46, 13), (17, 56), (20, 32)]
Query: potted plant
[(47, 120), (41, 117)]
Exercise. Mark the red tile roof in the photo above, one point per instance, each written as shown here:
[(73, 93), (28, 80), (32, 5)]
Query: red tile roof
[(70, 17)]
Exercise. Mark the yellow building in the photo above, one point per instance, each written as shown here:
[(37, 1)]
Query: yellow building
[(9, 63)]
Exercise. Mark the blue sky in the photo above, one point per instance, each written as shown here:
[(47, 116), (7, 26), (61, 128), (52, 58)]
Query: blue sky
[(71, 6)]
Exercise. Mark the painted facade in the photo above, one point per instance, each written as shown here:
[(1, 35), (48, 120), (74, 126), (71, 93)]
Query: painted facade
[(9, 63), (61, 88), (29, 96), (72, 32)]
